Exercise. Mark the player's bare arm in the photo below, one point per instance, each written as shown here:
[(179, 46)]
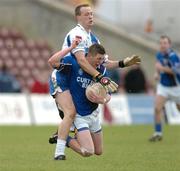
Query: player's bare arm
[(110, 85), (128, 61), (80, 56), (165, 69), (54, 60)]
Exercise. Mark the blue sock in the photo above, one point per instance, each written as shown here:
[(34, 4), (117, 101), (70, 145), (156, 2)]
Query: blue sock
[(158, 127), (68, 140)]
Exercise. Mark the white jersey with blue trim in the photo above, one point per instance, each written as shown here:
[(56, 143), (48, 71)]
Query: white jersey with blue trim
[(87, 39)]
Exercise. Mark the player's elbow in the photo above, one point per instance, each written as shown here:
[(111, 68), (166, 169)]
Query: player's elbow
[(50, 61), (53, 64)]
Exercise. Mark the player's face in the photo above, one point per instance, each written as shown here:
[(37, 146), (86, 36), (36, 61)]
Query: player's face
[(164, 45), (86, 17), (97, 60)]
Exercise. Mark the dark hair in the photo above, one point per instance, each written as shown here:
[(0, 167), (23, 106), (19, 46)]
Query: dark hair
[(166, 37), (96, 49), (78, 8)]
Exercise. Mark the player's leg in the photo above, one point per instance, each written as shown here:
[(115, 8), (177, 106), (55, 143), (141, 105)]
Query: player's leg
[(59, 88), (82, 144), (96, 132), (159, 104), (175, 96), (98, 142), (86, 143), (64, 99), (61, 113), (54, 136)]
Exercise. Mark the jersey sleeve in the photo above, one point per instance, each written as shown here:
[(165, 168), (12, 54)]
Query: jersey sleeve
[(158, 57), (175, 63), (72, 36), (102, 70), (65, 64)]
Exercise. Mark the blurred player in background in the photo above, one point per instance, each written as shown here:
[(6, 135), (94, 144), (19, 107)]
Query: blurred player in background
[(168, 76), (89, 136), (8, 83), (83, 32)]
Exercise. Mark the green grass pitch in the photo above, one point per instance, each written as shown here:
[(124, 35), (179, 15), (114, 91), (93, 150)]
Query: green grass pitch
[(125, 149)]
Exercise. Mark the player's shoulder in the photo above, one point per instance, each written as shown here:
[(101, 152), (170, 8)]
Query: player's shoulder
[(93, 34), (94, 38), (67, 59), (76, 31), (174, 57), (159, 55), (172, 53)]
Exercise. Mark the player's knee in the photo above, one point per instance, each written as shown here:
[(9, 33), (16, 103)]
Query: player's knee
[(98, 152), (157, 110), (69, 117), (87, 152), (70, 114)]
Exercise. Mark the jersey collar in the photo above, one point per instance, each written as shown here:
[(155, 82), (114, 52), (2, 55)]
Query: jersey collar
[(82, 28)]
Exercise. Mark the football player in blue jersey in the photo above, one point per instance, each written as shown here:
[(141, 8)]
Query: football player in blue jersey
[(59, 93), (168, 76), (82, 31), (73, 78)]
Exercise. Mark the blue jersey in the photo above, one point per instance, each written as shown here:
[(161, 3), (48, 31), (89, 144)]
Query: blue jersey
[(172, 61), (78, 81)]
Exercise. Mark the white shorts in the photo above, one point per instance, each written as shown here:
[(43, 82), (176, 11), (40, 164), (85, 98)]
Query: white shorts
[(90, 122), (171, 93)]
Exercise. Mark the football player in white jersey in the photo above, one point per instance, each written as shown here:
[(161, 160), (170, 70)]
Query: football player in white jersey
[(82, 31)]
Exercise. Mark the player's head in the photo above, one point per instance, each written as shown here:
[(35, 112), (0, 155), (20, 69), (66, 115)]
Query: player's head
[(96, 54), (165, 43), (84, 15)]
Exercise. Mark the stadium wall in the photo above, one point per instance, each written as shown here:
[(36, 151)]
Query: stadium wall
[(35, 109), (51, 20)]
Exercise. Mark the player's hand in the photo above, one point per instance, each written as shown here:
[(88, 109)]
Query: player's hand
[(96, 99), (76, 41), (106, 82), (156, 76), (133, 60)]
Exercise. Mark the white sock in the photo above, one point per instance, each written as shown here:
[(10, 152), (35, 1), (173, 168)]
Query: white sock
[(60, 147), (158, 133)]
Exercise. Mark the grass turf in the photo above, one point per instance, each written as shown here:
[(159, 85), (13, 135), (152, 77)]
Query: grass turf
[(125, 148)]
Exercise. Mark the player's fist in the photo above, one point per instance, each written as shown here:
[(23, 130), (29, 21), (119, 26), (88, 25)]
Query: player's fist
[(107, 83), (76, 41), (133, 60)]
